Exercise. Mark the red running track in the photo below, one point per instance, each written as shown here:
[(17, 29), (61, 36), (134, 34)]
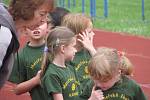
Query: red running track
[(137, 49)]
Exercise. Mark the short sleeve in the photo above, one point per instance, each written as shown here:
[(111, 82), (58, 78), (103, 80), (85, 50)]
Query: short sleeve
[(18, 73), (52, 84)]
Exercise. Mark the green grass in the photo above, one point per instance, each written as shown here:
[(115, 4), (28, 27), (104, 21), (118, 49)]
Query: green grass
[(123, 16), (6, 1)]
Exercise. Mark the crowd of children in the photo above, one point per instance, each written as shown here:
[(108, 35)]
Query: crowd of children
[(26, 70), (60, 62)]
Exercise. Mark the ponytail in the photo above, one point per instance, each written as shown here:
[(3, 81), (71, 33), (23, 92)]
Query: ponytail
[(126, 66), (56, 37), (44, 60)]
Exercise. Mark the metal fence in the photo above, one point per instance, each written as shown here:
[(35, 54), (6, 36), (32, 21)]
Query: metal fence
[(92, 4)]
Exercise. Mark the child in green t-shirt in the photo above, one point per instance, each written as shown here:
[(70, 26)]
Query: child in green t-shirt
[(82, 26), (28, 63), (58, 79), (110, 71)]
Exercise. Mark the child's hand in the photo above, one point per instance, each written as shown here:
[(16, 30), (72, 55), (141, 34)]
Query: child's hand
[(87, 42), (38, 77), (96, 94)]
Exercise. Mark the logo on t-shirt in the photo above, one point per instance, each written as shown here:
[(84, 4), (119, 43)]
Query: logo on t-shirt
[(116, 96)]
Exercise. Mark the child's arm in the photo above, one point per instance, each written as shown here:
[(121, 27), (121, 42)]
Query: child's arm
[(87, 42), (27, 85), (58, 96)]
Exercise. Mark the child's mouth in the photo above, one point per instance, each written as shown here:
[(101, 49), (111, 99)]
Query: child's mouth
[(36, 32)]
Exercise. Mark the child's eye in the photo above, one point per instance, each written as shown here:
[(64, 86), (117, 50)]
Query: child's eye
[(90, 31), (42, 14)]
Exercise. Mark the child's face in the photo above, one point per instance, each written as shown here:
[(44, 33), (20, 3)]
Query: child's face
[(70, 50), (39, 32), (90, 31), (106, 85)]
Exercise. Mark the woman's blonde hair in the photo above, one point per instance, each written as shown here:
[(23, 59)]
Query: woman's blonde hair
[(76, 22), (106, 62), (57, 37)]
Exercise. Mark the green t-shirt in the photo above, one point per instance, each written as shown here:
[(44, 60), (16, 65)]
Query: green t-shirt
[(80, 64), (61, 80), (125, 89), (26, 66)]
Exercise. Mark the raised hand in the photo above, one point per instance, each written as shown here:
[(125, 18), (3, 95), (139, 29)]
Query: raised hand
[(86, 40)]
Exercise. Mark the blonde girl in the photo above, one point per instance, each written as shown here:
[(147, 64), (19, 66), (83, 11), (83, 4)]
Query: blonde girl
[(108, 69), (82, 26), (59, 80)]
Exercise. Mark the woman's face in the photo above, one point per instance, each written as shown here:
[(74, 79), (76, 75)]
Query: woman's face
[(40, 17)]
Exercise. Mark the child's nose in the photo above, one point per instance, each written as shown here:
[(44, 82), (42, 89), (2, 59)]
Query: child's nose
[(75, 50), (93, 33)]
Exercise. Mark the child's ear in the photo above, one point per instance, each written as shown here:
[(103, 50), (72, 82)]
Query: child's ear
[(62, 48)]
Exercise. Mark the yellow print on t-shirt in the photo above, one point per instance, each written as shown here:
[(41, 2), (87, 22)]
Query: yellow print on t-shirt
[(71, 79), (86, 70), (116, 96), (82, 63), (73, 87), (86, 73), (73, 94), (86, 77), (37, 61)]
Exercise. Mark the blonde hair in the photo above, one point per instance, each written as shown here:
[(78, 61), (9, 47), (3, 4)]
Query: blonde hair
[(57, 37), (76, 22), (106, 62), (126, 66)]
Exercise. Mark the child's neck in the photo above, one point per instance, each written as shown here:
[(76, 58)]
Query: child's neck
[(35, 43), (59, 61)]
